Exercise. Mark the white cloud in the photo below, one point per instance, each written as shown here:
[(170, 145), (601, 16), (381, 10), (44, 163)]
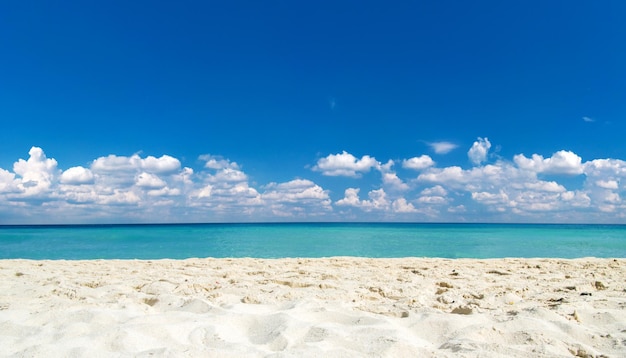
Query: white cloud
[(550, 186), (351, 198), (162, 165), (37, 173), (576, 199), (402, 206), (123, 172), (297, 190), (242, 189), (228, 197), (120, 197), (561, 162), (432, 200), (608, 184), (588, 119), (457, 209), (115, 187), (345, 164), (228, 175), (532, 201), (605, 167), (502, 187), (81, 194), (217, 162), (613, 198), (607, 208), (150, 181), (77, 176), (7, 181), (442, 147), (296, 198), (165, 191), (418, 163), (486, 198), (435, 190), (448, 174), (377, 200), (392, 181), (602, 186), (435, 195), (113, 163), (204, 192), (184, 176), (479, 150)]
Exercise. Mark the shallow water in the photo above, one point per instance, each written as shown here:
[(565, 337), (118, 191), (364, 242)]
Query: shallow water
[(311, 240)]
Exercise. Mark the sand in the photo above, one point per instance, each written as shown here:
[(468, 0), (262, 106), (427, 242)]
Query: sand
[(331, 307)]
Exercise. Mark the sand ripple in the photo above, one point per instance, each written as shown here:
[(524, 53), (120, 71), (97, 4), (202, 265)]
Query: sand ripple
[(332, 307)]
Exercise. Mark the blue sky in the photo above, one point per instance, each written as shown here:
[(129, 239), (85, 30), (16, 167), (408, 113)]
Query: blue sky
[(454, 111)]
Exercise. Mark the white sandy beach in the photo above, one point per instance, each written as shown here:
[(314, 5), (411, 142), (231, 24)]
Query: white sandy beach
[(332, 307)]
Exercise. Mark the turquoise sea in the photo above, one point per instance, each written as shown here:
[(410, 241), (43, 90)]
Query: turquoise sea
[(311, 240)]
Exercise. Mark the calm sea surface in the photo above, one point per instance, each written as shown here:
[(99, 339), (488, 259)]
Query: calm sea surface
[(311, 240)]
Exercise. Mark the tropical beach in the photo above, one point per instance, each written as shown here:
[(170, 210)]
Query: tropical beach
[(331, 307), (312, 179)]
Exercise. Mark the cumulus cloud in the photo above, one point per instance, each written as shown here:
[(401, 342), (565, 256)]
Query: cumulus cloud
[(162, 165), (435, 190), (479, 150), (435, 195), (605, 167), (561, 162), (297, 190), (588, 119), (151, 181), (228, 175), (392, 181), (503, 187), (113, 163), (400, 205), (377, 200), (550, 186), (296, 198), (351, 197), (345, 164), (36, 174), (77, 176), (608, 184), (603, 185), (576, 199), (7, 180), (227, 197), (448, 174), (119, 197), (442, 147), (204, 192), (164, 191), (226, 171), (432, 200), (499, 198), (418, 163), (160, 189), (390, 178), (217, 162)]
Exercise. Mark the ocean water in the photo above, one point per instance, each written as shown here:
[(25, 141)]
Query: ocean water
[(311, 240)]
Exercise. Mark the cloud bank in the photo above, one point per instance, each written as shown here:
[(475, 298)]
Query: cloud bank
[(113, 188)]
